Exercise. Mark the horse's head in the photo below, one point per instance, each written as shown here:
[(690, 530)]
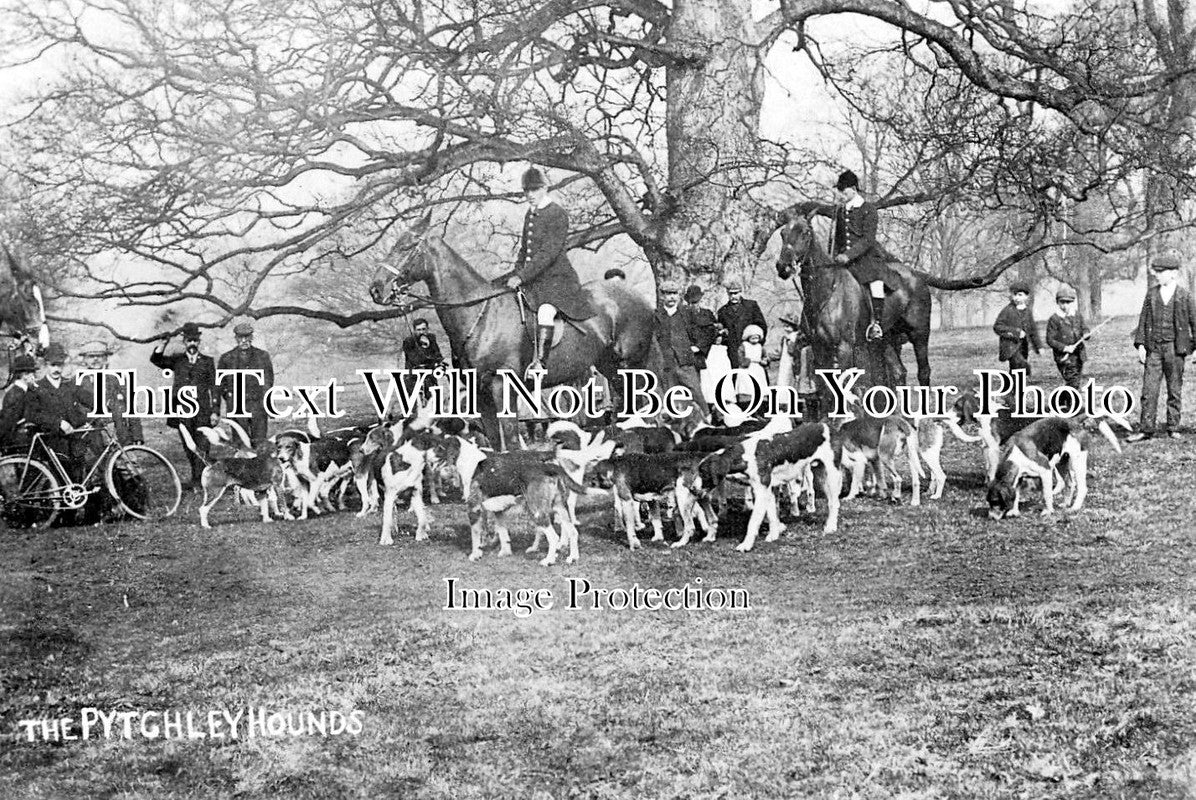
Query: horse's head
[(406, 264), (21, 305), (797, 241)]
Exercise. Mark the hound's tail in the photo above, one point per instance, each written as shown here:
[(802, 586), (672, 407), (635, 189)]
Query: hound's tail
[(211, 435)]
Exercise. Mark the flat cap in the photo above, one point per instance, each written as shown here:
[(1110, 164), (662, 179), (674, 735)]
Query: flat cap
[(791, 322), (55, 354), (1065, 292), (1166, 261), (95, 348), (243, 329), (733, 285), (1019, 286), (669, 287)]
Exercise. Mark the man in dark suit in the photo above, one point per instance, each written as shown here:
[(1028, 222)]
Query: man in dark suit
[(54, 409), (421, 352), (1164, 337), (542, 268), (735, 316), (246, 356), (14, 415), (1016, 330), (192, 368), (675, 332), (95, 356)]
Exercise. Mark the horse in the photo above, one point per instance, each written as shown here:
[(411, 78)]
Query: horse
[(836, 310), (22, 310), (483, 323)]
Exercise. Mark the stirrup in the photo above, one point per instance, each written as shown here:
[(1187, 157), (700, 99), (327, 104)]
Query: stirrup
[(536, 366), (874, 332)]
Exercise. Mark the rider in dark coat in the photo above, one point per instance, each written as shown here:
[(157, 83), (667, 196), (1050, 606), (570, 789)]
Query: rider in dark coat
[(853, 244), (542, 269)]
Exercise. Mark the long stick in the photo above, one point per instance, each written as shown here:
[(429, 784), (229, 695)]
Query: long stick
[(1094, 330)]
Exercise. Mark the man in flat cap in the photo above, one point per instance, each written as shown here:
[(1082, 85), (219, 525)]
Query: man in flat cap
[(94, 356), (14, 415), (1016, 329), (735, 316), (675, 333), (542, 268), (1164, 337), (245, 356), (192, 368), (1065, 332), (853, 245)]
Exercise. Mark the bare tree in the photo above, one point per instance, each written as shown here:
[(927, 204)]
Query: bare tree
[(227, 145)]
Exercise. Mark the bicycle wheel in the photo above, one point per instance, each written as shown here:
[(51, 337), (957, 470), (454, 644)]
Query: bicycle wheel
[(31, 492), (144, 482)]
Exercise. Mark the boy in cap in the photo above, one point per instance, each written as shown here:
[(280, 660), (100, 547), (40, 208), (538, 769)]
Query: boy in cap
[(192, 368), (542, 268), (735, 316), (675, 333), (246, 356), (14, 414), (94, 356), (1017, 330), (1164, 336), (1065, 334)]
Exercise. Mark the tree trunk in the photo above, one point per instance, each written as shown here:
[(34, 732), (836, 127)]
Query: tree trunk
[(713, 128)]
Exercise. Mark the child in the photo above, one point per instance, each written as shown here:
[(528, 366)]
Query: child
[(1017, 331), (752, 359), (1064, 334)]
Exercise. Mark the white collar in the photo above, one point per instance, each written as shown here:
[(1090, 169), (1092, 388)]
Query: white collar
[(543, 204), (854, 202)]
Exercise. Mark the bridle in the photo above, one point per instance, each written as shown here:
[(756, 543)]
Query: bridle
[(399, 290)]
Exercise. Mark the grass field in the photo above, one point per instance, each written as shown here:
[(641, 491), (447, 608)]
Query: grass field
[(917, 653)]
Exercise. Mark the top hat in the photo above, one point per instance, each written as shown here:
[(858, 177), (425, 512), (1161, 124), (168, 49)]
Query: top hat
[(23, 364)]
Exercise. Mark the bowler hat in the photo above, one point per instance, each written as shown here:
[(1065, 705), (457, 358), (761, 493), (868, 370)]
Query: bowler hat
[(55, 354), (191, 331), (1019, 286), (693, 294), (1065, 293), (243, 329), (1167, 261), (533, 179), (847, 180), (95, 348), (733, 286), (23, 364)]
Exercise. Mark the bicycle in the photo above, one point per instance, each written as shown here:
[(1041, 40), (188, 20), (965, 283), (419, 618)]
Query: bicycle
[(36, 489)]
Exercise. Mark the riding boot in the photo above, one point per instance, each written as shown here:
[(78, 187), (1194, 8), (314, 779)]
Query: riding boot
[(543, 342), (875, 331)]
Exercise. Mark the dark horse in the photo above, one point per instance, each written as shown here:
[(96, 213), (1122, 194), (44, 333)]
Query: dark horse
[(22, 312), (836, 312), (484, 328)]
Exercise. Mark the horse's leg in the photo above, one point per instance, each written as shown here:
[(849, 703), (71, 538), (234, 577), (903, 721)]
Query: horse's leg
[(921, 342), (489, 391), (894, 368)]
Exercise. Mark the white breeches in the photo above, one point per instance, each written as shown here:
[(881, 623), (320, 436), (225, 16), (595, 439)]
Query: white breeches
[(877, 288)]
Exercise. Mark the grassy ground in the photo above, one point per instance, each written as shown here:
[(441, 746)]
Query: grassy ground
[(916, 653)]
